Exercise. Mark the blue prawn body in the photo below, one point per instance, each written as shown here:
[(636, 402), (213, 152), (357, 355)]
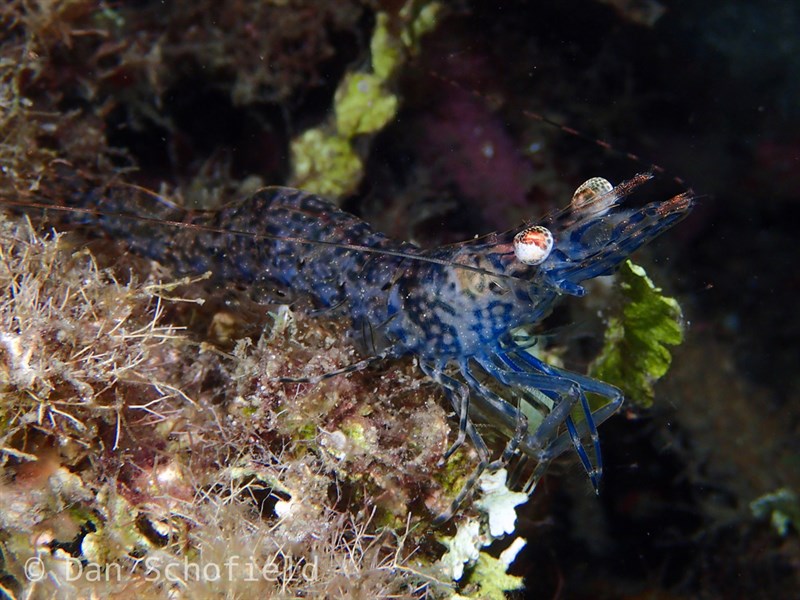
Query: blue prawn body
[(468, 306), (464, 313), (454, 307), (446, 313)]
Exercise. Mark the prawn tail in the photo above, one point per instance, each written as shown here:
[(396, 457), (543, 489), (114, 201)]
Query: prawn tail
[(120, 210)]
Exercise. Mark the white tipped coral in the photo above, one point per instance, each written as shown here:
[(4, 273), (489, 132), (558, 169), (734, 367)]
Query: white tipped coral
[(499, 503)]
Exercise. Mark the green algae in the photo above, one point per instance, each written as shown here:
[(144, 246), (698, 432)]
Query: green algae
[(363, 105), (325, 163), (325, 160), (635, 353), (491, 577), (781, 507), (422, 19), (386, 48)]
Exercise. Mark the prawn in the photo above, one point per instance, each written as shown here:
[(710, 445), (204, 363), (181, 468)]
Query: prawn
[(455, 308)]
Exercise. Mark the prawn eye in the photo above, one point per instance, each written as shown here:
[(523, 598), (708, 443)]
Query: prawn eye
[(533, 245), (596, 189)]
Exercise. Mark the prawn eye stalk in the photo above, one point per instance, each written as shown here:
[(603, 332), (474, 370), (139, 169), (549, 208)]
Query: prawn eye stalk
[(456, 308), (596, 192), (533, 245)]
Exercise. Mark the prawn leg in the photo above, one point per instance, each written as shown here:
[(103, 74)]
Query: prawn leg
[(569, 394)]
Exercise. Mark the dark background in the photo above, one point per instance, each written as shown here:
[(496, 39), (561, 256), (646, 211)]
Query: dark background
[(710, 93)]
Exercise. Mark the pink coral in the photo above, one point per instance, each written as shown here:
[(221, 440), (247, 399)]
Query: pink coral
[(469, 147)]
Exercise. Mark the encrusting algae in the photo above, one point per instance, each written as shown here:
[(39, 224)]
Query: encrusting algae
[(118, 450)]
